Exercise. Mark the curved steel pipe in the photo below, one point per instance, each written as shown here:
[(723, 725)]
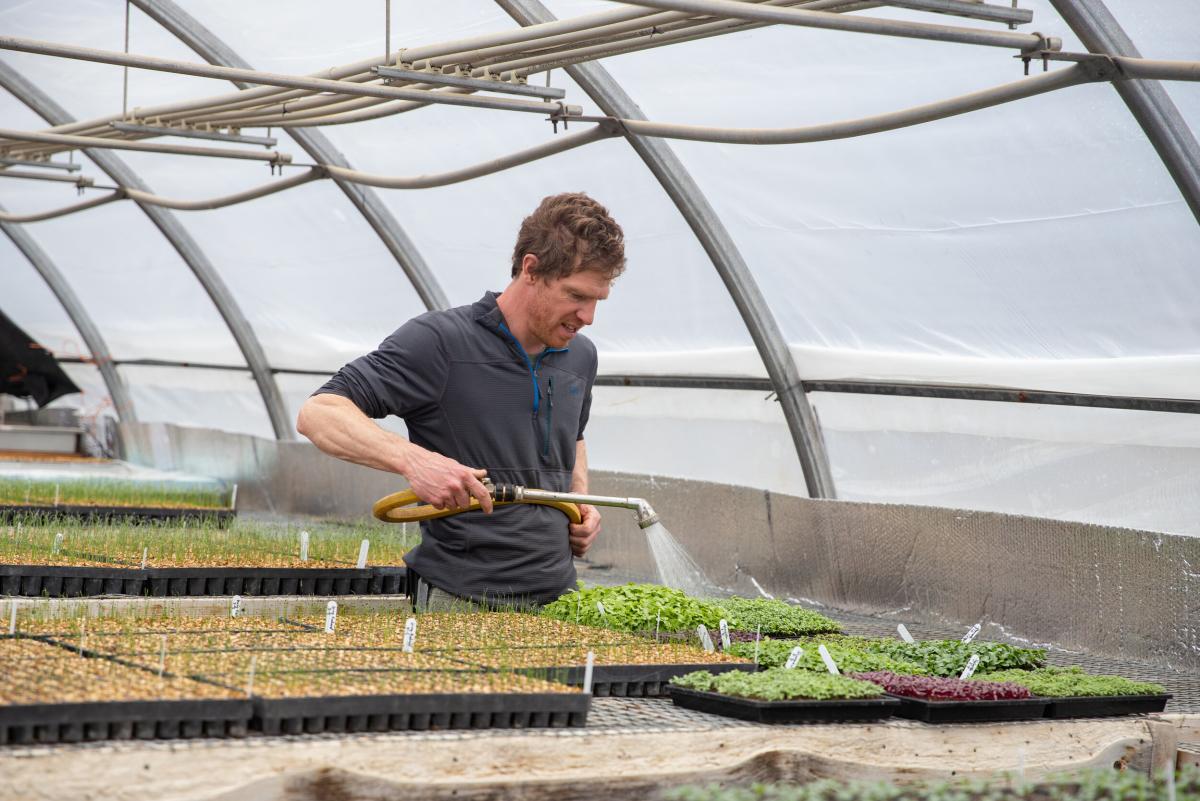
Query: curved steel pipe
[(70, 142), (61, 211)]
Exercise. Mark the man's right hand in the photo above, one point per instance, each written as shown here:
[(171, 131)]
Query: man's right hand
[(443, 482)]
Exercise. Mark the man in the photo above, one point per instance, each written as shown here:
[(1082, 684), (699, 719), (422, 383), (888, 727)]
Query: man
[(500, 388)]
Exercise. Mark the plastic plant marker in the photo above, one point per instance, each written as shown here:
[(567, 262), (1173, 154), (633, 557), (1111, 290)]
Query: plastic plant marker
[(362, 554), (793, 658), (588, 668), (303, 546), (12, 617), (145, 551), (657, 623), (757, 640), (969, 670), (233, 497), (705, 640), (250, 677), (724, 628), (330, 617), (58, 543), (830, 665), (600, 609), (902, 630), (162, 656), (235, 606), (972, 633), (410, 635)]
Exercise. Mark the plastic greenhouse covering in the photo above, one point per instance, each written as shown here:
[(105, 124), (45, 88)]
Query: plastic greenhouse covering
[(1040, 244)]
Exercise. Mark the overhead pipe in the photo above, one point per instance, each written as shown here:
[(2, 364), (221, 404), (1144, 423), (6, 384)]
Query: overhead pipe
[(973, 9), (80, 181), (72, 142), (62, 211), (883, 27)]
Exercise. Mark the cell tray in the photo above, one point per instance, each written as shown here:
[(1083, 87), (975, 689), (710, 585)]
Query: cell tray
[(628, 681), (969, 711), (108, 514), (832, 711), (35, 724), (362, 713), (1093, 706)]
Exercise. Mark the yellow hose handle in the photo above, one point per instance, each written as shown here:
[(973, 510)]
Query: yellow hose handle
[(398, 508)]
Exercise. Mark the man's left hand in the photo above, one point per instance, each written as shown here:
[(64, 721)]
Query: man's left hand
[(583, 533)]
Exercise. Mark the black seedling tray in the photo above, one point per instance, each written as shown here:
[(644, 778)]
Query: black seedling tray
[(627, 681), (1099, 706), (969, 711), (33, 724), (849, 709), (355, 713), (67, 581), (108, 514)]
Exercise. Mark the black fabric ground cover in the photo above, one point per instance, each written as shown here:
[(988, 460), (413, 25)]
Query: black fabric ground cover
[(357, 713), (111, 514), (67, 581), (798, 711), (1103, 706), (970, 711)]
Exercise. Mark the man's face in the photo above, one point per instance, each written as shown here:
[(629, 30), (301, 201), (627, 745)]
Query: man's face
[(562, 306)]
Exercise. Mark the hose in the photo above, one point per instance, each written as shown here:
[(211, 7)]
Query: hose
[(398, 508)]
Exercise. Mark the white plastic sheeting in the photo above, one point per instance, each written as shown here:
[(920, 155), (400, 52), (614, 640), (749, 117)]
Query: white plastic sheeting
[(1039, 245)]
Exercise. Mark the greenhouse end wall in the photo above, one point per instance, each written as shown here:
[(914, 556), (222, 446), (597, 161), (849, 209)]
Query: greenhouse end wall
[(1112, 591)]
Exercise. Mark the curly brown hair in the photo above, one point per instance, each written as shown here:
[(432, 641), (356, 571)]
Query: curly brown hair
[(568, 233)]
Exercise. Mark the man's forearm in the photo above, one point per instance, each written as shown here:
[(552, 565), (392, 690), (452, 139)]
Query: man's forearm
[(339, 428), (579, 475)]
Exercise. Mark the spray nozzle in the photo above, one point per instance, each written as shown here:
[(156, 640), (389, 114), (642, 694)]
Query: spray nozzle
[(515, 493)]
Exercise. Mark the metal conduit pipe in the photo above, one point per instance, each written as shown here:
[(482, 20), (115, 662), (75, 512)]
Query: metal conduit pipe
[(71, 142), (61, 211), (100, 356), (80, 181), (1148, 101), (719, 245), (985, 98), (273, 78), (1158, 69), (884, 27), (205, 44), (183, 243), (299, 179)]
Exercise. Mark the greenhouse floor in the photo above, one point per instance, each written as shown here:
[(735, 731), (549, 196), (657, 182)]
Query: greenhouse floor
[(630, 747)]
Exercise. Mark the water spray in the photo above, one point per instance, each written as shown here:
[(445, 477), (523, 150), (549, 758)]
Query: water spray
[(675, 567)]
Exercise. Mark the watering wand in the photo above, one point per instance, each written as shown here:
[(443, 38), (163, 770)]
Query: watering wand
[(398, 507)]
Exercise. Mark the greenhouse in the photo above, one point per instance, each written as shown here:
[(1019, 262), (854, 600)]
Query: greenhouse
[(872, 473)]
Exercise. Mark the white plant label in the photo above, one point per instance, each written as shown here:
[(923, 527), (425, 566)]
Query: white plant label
[(145, 551), (902, 630), (410, 635), (362, 554), (830, 665), (969, 670), (600, 609), (705, 640), (972, 633), (724, 635), (58, 543), (235, 606), (303, 546), (12, 617), (588, 668), (793, 658), (657, 623), (757, 639), (330, 617)]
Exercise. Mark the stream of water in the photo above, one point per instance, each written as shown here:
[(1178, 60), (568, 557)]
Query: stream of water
[(676, 568)]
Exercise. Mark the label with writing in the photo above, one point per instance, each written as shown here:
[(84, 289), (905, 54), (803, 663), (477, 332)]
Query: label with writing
[(362, 554), (600, 609), (969, 670), (705, 640), (830, 665), (793, 658), (410, 635), (330, 617), (303, 546), (144, 552), (724, 635), (972, 633), (235, 606), (588, 668), (902, 630), (58, 543)]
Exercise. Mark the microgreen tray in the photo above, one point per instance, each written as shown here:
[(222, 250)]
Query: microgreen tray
[(1101, 706), (968, 711), (354, 713), (106, 514), (798, 711), (628, 681)]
